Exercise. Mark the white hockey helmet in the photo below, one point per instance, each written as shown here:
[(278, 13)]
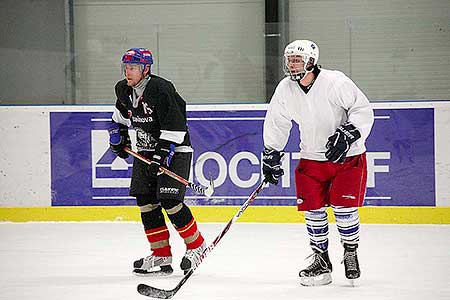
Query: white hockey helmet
[(300, 57)]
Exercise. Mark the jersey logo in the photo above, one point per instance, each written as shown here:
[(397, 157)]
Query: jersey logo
[(147, 110)]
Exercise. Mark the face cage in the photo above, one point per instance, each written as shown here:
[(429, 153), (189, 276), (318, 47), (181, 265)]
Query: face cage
[(300, 74), (141, 67)]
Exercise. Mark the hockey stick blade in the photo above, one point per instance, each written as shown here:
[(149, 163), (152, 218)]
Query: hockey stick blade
[(153, 292), (150, 291)]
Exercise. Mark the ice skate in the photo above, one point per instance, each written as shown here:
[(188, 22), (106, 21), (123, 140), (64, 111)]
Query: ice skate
[(319, 272), (191, 257), (153, 266), (351, 263)]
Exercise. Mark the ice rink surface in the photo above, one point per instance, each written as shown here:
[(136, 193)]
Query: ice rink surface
[(86, 261)]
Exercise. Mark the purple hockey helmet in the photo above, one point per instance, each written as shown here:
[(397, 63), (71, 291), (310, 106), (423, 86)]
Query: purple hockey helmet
[(138, 56)]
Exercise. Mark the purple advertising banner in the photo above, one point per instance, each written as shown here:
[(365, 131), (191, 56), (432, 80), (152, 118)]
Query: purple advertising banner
[(227, 148)]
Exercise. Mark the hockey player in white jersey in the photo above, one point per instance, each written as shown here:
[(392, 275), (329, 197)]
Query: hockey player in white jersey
[(335, 119)]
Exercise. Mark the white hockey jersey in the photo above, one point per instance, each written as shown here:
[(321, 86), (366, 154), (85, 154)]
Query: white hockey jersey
[(332, 100)]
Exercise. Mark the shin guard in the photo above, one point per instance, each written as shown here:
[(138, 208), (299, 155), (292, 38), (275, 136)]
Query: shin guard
[(181, 217)]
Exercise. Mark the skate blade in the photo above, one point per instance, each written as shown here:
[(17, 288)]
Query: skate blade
[(165, 271), (152, 274), (322, 279), (353, 282)]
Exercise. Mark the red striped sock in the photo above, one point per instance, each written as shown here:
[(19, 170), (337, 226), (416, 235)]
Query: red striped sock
[(192, 237), (159, 241)]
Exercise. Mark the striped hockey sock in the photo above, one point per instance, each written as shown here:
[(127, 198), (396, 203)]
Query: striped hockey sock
[(192, 237), (347, 221), (317, 226), (159, 241), (182, 219)]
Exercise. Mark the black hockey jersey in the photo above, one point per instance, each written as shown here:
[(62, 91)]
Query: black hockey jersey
[(159, 113)]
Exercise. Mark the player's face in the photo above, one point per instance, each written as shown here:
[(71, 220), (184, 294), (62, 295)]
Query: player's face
[(133, 74), (295, 64)]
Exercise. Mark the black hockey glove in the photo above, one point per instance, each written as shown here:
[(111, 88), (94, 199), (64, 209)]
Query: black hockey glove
[(118, 139), (339, 143), (271, 165), (164, 152)]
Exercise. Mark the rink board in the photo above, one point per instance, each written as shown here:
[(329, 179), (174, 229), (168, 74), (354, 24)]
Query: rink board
[(228, 147), (77, 177)]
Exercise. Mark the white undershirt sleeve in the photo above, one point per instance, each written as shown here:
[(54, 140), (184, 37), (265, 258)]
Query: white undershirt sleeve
[(173, 136), (118, 118)]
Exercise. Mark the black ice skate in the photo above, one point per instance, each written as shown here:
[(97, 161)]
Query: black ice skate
[(191, 257), (350, 261), (319, 272), (153, 266)]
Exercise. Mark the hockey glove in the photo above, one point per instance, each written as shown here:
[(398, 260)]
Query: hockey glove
[(164, 152), (271, 167), (339, 143), (118, 139)]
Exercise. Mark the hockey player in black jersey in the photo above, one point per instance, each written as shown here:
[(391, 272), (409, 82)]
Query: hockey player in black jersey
[(158, 114)]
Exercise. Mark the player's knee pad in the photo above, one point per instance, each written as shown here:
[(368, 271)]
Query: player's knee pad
[(168, 204), (151, 215), (316, 214), (153, 219), (179, 214), (143, 200), (345, 214)]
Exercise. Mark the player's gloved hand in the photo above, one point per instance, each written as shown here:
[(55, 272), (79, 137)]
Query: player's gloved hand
[(164, 152), (339, 143), (118, 139), (271, 167)]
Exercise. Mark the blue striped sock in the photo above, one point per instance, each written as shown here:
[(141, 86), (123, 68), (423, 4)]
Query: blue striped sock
[(317, 226), (347, 221)]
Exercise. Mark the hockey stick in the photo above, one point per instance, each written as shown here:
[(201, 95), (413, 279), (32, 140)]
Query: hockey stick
[(199, 189), (153, 292)]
